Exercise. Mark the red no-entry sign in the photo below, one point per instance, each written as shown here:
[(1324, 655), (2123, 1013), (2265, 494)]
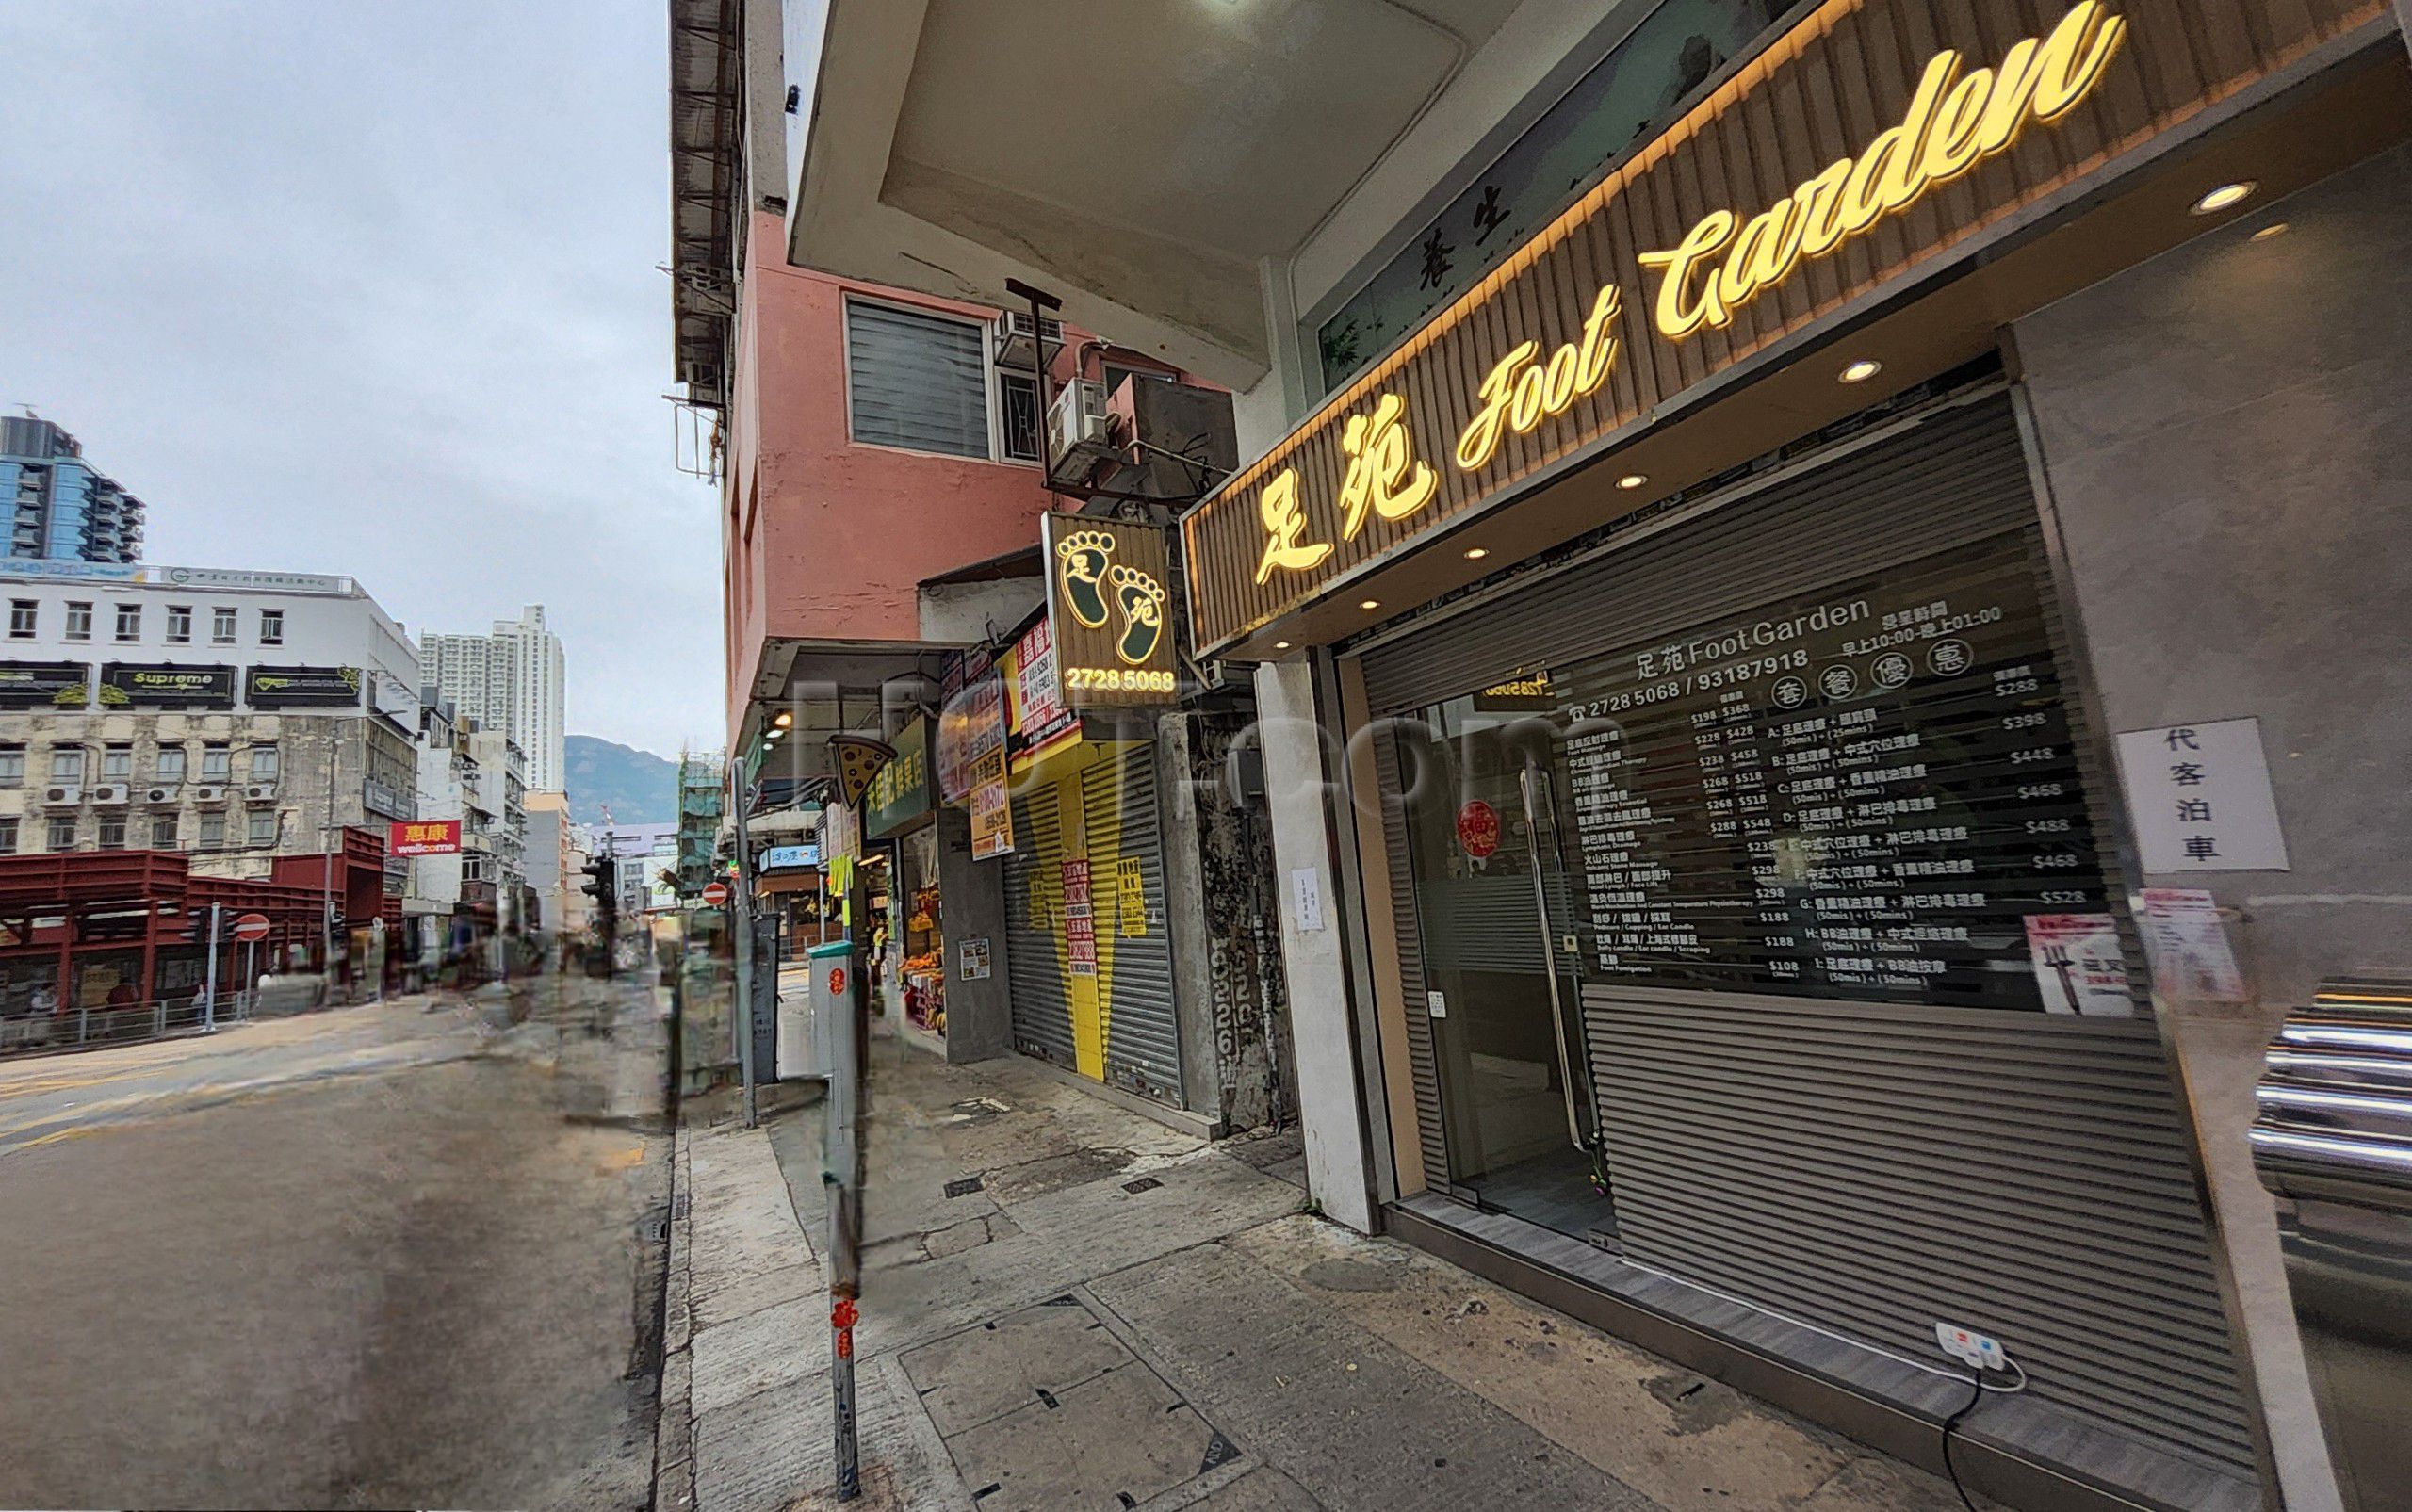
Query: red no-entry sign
[(715, 894), (250, 927)]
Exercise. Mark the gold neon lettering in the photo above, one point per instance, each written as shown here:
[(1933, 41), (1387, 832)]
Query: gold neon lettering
[(1383, 475), (1953, 122), (1284, 523), (1520, 393)]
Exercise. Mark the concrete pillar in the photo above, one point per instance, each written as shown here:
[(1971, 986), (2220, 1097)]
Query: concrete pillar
[(1300, 780), (972, 905)]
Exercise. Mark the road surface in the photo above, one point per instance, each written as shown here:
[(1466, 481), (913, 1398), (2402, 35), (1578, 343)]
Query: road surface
[(391, 1256)]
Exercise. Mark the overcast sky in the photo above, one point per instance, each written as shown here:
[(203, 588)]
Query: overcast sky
[(350, 286)]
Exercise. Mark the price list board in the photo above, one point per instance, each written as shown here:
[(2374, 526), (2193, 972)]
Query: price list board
[(1861, 794)]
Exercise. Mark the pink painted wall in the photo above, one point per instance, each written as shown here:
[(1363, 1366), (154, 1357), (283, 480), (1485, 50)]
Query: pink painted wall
[(823, 539)]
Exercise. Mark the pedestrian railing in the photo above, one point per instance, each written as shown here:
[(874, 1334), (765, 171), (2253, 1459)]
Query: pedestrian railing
[(25, 1030)]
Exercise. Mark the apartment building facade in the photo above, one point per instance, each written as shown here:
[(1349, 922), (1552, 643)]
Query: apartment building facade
[(61, 507)]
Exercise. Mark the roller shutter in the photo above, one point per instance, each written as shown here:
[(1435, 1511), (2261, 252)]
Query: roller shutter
[(1133, 940), (1873, 1167), (1042, 1009)]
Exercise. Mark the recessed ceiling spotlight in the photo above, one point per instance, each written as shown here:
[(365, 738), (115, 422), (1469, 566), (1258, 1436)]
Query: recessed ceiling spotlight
[(1861, 370), (2228, 195), (2275, 228), (782, 719), (1280, 645), (1369, 603), (1476, 553), (1632, 480)]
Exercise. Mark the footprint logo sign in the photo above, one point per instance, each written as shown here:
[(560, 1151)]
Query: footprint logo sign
[(1141, 598), (1082, 559)]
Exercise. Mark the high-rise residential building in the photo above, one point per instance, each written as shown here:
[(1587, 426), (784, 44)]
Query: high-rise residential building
[(512, 680), (61, 507)]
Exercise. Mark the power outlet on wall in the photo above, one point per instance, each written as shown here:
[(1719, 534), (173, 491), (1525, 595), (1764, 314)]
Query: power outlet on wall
[(1980, 1350)]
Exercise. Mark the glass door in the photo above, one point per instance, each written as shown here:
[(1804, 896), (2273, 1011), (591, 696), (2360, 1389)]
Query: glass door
[(1501, 980)]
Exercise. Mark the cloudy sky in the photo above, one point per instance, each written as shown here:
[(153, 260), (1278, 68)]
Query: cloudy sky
[(349, 287)]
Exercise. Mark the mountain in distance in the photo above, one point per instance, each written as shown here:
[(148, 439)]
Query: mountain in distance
[(639, 787)]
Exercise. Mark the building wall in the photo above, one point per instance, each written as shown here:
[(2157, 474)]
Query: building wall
[(512, 679), (822, 538), (343, 628), (2227, 437), (57, 505)]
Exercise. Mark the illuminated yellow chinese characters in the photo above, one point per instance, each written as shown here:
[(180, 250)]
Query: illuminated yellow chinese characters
[(1522, 392), (1383, 475), (1284, 523), (1954, 122)]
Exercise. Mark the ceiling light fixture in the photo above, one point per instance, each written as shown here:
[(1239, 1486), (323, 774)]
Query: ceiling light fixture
[(782, 719), (1476, 553), (2228, 195), (1861, 371), (1632, 480), (2275, 228), (1280, 645), (1369, 603)]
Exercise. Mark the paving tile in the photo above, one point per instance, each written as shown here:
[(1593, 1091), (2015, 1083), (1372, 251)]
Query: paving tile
[(1261, 1489), (1102, 1446), (968, 1378)]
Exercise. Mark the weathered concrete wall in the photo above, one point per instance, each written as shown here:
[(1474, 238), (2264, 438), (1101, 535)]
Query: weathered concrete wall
[(2228, 436), (1236, 1059)]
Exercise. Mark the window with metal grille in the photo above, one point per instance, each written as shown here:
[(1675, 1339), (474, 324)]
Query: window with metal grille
[(916, 380), (1018, 409), (112, 832), (163, 832)]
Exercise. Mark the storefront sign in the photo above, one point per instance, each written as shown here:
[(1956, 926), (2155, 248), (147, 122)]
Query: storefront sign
[(2079, 966), (164, 687), (900, 793), (303, 688), (425, 837), (44, 684), (1131, 897), (1079, 924), (971, 725), (1109, 607), (1036, 720), (1705, 248), (992, 812), (790, 857), (2201, 800), (1524, 693), (1478, 830)]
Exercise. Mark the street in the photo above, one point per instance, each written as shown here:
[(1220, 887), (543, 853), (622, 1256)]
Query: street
[(392, 1255)]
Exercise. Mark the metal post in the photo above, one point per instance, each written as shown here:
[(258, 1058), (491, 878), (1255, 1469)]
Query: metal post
[(741, 928), (841, 1174), (250, 995), (327, 905), (210, 988)]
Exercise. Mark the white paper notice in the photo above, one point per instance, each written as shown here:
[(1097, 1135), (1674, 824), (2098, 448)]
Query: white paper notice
[(2079, 964), (2191, 958), (1306, 892), (2200, 794)]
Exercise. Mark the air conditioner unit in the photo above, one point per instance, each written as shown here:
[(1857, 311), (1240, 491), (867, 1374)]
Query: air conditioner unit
[(208, 793), (110, 793), (1014, 347), (259, 792), (62, 795), (163, 795), (1077, 431)]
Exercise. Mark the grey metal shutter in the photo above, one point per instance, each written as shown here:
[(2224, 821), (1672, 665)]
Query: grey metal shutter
[(1142, 1033), (1423, 1068), (1878, 1168), (916, 380), (1954, 479), (1042, 1009)]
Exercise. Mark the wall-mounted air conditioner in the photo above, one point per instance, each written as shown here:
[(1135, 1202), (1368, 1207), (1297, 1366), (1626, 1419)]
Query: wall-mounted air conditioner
[(259, 792), (1077, 432), (62, 794), (164, 795), (1012, 339), (208, 793), (110, 793)]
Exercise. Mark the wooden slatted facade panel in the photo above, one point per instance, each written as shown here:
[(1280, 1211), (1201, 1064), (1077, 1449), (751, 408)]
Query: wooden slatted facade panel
[(1822, 92)]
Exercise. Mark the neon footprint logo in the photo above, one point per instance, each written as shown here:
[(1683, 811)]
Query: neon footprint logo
[(1084, 556), (1141, 599)]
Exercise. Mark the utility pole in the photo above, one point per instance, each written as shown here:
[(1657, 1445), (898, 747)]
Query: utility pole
[(741, 920), (209, 991)]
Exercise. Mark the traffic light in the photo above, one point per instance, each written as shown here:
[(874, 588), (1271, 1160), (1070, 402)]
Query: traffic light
[(601, 884)]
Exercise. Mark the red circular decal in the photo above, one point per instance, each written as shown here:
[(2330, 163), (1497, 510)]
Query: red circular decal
[(1478, 829), (715, 894), (837, 980)]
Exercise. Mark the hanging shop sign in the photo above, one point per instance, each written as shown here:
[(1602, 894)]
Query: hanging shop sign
[(1708, 246), (1036, 721), (424, 837), (44, 684), (129, 684), (790, 858), (1109, 608), (900, 793), (303, 688)]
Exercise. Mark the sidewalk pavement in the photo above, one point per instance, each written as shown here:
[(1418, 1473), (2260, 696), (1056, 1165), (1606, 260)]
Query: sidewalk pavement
[(1105, 1313)]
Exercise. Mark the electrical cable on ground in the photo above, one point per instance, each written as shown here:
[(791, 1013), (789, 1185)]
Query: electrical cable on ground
[(1976, 1394)]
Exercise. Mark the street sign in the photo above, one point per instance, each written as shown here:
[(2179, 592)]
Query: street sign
[(715, 894), (250, 927)]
